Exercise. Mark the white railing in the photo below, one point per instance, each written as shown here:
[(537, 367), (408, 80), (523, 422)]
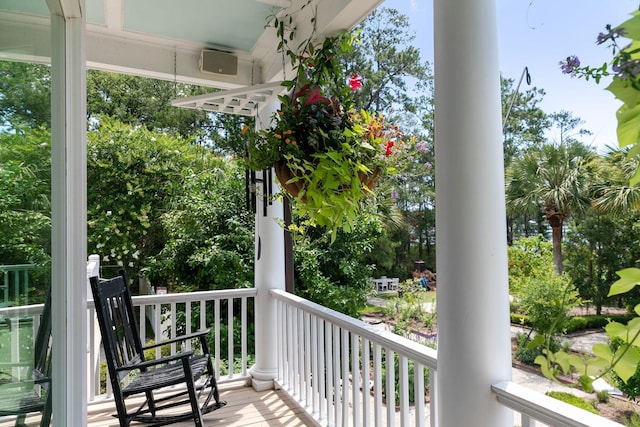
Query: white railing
[(320, 351), (346, 354), (17, 320), (14, 285), (165, 314), (534, 406), (335, 367), (176, 314)]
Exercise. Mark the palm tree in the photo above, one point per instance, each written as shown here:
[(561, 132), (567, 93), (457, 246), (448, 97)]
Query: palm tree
[(554, 179), (617, 189)]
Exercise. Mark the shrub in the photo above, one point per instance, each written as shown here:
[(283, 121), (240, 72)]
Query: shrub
[(411, 379), (520, 319), (602, 320), (391, 308), (633, 421), (150, 354), (526, 354), (577, 323), (574, 400), (332, 274), (603, 396), (528, 257), (632, 386), (407, 309), (546, 300)]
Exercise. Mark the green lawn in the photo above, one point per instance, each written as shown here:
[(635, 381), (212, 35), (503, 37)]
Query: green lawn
[(423, 297)]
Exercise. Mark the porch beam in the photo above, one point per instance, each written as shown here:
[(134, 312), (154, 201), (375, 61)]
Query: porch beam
[(28, 40), (68, 212), (473, 292)]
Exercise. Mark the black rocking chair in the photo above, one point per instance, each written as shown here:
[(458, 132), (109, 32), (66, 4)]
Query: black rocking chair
[(125, 355), (31, 393)]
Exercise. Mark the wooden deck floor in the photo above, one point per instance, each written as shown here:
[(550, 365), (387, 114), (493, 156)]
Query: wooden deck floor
[(245, 407)]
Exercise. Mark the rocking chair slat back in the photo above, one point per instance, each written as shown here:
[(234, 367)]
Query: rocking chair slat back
[(123, 345)]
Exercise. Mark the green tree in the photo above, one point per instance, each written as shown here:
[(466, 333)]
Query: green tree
[(333, 274), (624, 357), (137, 100), (524, 128), (132, 174), (545, 297), (525, 123), (603, 240), (554, 179), (528, 257), (614, 193), (141, 181), (394, 76), (25, 210), (209, 232), (398, 83), (25, 94), (596, 247)]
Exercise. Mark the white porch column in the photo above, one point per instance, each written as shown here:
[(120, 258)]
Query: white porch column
[(473, 303), (69, 212), (269, 274)]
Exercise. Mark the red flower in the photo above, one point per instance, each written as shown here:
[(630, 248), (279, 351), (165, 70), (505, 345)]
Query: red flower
[(315, 97), (302, 92), (355, 82), (390, 145)]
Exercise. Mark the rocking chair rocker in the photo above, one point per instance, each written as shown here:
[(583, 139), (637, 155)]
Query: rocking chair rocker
[(125, 354)]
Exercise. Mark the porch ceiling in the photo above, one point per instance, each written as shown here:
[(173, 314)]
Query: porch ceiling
[(164, 38)]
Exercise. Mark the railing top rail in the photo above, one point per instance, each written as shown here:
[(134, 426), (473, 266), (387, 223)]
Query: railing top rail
[(546, 409), (17, 267), (189, 296), (22, 310), (25, 310), (415, 351)]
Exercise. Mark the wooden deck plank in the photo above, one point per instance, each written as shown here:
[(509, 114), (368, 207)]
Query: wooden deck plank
[(245, 408)]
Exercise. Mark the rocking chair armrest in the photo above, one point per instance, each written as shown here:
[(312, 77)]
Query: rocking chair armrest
[(154, 362), (181, 338), (6, 387)]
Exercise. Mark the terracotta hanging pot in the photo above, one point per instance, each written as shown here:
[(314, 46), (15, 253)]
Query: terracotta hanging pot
[(284, 175)]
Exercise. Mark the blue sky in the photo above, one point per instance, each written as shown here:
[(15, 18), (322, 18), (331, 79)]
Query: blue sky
[(539, 34)]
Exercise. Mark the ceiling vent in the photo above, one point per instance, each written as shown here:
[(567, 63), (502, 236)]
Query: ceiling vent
[(217, 62)]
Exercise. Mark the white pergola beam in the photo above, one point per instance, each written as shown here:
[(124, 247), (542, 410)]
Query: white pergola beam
[(244, 102)]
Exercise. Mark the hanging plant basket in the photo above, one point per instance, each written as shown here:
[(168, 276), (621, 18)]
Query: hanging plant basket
[(285, 176), (320, 143)]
